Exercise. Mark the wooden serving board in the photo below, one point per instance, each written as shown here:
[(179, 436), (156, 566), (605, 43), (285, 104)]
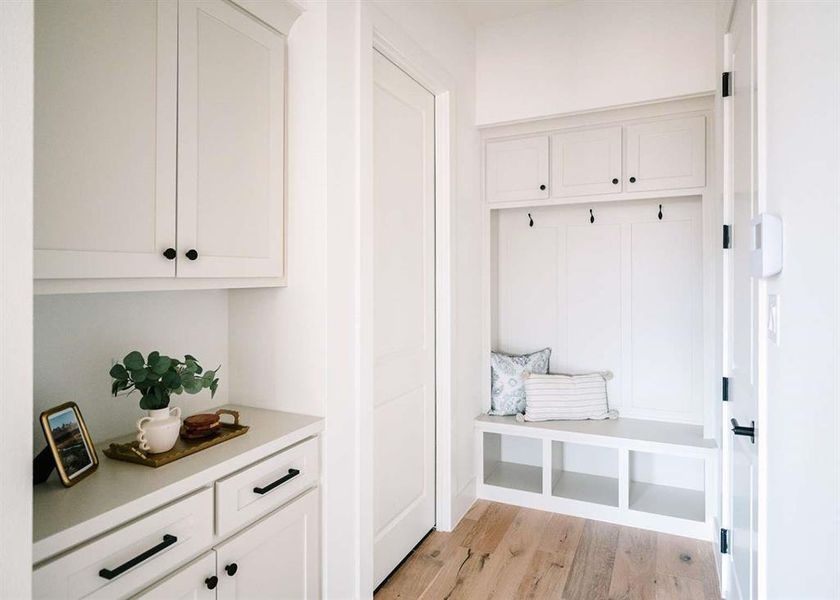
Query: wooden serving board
[(130, 451)]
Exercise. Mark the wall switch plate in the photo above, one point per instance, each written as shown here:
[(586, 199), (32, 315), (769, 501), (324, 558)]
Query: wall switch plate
[(773, 318)]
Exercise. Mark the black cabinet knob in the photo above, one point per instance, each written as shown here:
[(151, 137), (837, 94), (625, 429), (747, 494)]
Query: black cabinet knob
[(231, 569), (192, 254), (542, 187), (632, 180), (211, 582), (170, 253), (615, 181)]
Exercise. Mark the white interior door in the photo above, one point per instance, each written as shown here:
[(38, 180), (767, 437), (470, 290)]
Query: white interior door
[(104, 146), (739, 451), (404, 315), (230, 143)]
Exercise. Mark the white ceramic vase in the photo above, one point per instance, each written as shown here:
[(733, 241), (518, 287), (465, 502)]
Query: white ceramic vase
[(158, 432)]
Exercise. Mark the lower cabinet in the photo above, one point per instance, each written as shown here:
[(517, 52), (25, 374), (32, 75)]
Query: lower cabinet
[(196, 581), (276, 557)]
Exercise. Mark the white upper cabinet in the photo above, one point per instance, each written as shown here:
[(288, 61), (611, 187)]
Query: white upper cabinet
[(667, 154), (586, 162), (104, 148), (517, 170), (230, 143), (159, 141)]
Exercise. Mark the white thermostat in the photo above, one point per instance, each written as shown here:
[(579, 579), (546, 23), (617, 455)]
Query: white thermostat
[(766, 252)]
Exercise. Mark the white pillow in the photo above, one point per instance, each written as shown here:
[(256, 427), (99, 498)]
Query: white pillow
[(566, 397)]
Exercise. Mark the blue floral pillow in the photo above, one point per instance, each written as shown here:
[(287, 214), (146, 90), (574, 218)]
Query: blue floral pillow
[(507, 379)]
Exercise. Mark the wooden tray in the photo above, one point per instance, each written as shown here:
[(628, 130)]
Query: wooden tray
[(130, 452)]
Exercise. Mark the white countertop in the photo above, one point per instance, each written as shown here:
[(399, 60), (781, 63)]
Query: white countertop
[(120, 491)]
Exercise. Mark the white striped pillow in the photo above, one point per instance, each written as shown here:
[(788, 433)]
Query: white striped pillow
[(566, 397)]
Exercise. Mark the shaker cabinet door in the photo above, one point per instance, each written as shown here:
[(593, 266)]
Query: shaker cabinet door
[(277, 557), (586, 162), (517, 170), (665, 155), (196, 581), (104, 146), (230, 143)]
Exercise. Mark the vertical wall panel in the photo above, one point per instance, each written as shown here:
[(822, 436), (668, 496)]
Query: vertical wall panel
[(663, 315), (593, 301)]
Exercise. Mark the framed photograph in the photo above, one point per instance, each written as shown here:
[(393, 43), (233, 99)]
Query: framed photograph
[(69, 441)]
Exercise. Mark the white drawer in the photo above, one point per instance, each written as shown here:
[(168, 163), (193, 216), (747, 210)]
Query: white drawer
[(131, 557), (257, 490)]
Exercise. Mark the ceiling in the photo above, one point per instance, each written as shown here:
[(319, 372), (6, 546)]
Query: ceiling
[(479, 12)]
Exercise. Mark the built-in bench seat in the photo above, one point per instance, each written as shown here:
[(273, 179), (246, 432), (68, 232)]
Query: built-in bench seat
[(642, 473)]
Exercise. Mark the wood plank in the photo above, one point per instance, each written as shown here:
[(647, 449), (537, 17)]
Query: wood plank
[(550, 564), (507, 565), (687, 558), (477, 510), (491, 528), (593, 563), (672, 587), (422, 566), (634, 572)]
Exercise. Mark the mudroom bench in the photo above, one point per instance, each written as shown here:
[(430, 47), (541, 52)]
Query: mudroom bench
[(641, 473)]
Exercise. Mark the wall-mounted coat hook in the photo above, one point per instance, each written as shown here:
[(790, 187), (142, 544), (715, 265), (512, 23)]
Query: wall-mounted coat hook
[(591, 216), (660, 212), (530, 220)]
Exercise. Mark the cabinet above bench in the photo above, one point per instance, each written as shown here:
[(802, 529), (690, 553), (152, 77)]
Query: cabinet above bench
[(611, 162)]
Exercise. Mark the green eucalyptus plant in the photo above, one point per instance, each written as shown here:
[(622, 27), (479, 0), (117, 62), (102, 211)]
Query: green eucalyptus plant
[(159, 376)]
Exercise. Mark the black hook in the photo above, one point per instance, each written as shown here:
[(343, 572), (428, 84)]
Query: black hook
[(660, 212), (530, 220), (591, 216)]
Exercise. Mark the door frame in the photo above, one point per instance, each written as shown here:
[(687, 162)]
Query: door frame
[(380, 33)]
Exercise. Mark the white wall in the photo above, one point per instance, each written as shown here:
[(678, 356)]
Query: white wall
[(16, 110), (589, 55), (78, 335), (278, 336), (799, 169)]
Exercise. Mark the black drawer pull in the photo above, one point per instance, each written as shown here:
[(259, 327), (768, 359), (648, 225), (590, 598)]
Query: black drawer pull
[(108, 574), (264, 490)]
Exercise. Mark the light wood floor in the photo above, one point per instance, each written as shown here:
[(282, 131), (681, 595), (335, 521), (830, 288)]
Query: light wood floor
[(505, 552)]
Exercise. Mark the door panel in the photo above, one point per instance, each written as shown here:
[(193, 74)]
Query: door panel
[(277, 557), (586, 162), (187, 583), (104, 147), (669, 154), (230, 143), (517, 170), (742, 405), (404, 315)]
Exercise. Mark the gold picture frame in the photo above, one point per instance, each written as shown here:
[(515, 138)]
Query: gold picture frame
[(69, 441)]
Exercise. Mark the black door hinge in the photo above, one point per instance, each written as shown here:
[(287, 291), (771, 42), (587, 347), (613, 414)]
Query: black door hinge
[(726, 84), (727, 237), (724, 541), (724, 389)]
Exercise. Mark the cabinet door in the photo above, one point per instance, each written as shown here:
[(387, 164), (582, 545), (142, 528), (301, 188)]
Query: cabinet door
[(196, 581), (517, 170), (669, 154), (104, 147), (230, 143), (277, 557), (586, 162)]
